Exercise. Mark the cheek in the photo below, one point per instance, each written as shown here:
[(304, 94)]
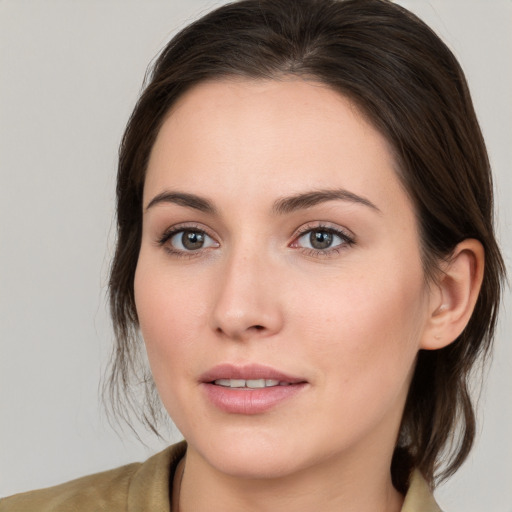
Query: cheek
[(367, 329), (167, 314), (169, 318)]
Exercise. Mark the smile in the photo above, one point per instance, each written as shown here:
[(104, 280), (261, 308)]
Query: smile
[(250, 383), (249, 389)]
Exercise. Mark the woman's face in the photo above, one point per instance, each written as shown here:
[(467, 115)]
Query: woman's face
[(279, 250)]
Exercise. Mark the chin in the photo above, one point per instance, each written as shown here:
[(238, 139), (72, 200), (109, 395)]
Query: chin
[(250, 456), (256, 465)]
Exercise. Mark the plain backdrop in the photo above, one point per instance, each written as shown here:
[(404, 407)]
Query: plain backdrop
[(70, 73)]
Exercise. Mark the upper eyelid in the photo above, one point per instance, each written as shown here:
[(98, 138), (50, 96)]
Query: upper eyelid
[(327, 226), (300, 231), (184, 226)]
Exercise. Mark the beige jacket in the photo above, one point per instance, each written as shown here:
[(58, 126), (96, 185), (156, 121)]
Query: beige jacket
[(145, 487)]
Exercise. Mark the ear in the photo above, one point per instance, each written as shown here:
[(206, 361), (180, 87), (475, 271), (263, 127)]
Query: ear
[(454, 295)]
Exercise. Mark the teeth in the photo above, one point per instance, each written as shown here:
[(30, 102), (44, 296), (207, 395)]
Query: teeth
[(249, 383), (255, 383)]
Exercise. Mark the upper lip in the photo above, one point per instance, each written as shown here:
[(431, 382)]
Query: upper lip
[(247, 372)]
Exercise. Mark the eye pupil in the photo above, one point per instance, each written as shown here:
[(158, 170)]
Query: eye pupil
[(192, 240), (320, 239)]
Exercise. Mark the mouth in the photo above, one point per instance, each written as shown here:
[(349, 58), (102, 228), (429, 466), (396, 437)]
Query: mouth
[(250, 383), (250, 376), (249, 389)]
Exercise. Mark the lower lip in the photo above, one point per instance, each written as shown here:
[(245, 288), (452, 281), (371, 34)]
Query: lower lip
[(250, 401)]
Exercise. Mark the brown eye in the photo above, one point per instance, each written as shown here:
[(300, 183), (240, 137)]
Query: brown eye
[(323, 240), (191, 240), (320, 239)]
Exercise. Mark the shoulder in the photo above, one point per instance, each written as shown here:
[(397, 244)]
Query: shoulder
[(138, 486), (102, 488)]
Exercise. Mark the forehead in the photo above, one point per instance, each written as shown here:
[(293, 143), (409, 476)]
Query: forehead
[(270, 138)]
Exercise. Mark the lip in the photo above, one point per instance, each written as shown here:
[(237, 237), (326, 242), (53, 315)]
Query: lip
[(249, 401), (247, 371)]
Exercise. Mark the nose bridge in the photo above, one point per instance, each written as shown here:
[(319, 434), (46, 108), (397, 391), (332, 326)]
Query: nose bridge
[(246, 301)]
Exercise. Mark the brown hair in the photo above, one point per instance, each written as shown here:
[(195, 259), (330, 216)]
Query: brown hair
[(411, 87)]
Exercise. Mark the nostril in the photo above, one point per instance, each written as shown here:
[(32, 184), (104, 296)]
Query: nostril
[(252, 328)]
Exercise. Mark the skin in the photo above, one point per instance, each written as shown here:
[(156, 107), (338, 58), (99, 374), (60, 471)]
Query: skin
[(350, 321)]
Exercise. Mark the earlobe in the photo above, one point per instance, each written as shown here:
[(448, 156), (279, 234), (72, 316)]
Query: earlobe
[(454, 296)]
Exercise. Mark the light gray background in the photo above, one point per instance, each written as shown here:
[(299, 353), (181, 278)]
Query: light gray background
[(70, 74)]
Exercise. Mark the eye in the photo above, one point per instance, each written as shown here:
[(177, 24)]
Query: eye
[(322, 240), (186, 241), (191, 240)]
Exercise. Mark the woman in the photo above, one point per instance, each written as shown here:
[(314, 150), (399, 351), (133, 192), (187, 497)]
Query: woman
[(305, 242)]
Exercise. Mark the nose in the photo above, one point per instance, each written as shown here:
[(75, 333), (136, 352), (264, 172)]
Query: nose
[(247, 301)]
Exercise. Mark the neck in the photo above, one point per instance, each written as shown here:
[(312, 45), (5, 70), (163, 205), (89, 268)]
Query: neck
[(333, 486)]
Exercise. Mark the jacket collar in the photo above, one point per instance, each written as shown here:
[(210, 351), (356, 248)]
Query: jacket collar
[(419, 497), (150, 485)]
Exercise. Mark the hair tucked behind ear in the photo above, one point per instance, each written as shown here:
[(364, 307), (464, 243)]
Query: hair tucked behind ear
[(411, 87)]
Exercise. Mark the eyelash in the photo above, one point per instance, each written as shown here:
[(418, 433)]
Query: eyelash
[(174, 230), (347, 240)]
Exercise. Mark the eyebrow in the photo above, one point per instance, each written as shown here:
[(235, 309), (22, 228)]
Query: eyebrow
[(281, 206), (183, 199), (309, 199)]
